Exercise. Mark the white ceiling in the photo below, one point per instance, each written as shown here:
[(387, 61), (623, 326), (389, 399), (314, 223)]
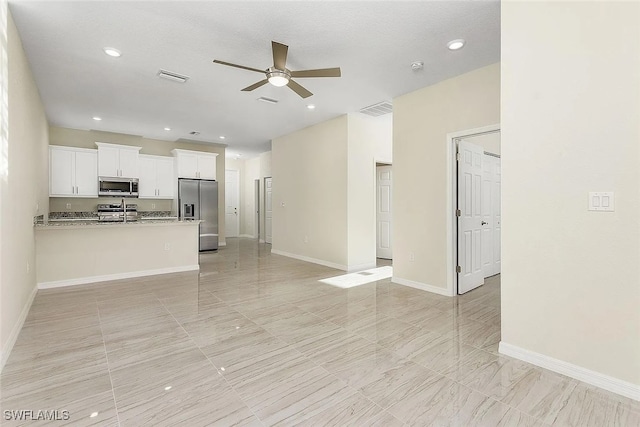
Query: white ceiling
[(373, 42)]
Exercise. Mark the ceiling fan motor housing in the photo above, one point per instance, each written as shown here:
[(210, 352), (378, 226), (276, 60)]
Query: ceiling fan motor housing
[(278, 77)]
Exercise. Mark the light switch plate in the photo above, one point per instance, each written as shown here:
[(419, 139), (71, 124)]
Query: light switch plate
[(601, 201)]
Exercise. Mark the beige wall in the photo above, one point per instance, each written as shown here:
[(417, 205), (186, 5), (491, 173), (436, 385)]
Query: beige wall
[(369, 141), (421, 122), (69, 254), (325, 175), (23, 190), (310, 177), (570, 125), (88, 138)]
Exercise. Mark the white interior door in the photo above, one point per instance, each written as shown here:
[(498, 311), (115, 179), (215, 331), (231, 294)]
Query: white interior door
[(497, 217), (470, 176), (491, 228), (268, 210), (383, 212), (231, 197), (487, 215)]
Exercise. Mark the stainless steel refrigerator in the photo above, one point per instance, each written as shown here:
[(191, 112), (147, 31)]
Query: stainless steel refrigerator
[(198, 200)]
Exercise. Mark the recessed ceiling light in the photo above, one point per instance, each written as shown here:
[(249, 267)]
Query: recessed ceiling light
[(456, 44), (167, 388), (167, 128), (96, 118), (311, 107), (93, 415), (112, 52), (222, 137)]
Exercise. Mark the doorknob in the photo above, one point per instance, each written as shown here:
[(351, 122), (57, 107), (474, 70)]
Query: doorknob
[(484, 223)]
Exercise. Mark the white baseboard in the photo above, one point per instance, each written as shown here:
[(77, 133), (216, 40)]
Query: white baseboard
[(261, 241), (117, 276), (222, 244), (249, 236), (15, 331), (588, 376), (422, 286), (360, 267), (309, 259)]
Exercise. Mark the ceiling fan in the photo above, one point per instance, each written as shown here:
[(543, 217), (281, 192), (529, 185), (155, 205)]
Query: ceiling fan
[(279, 75)]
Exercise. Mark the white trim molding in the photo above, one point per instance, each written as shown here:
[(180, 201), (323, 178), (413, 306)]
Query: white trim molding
[(309, 259), (13, 337), (422, 286), (360, 267), (117, 276), (248, 236), (588, 376)]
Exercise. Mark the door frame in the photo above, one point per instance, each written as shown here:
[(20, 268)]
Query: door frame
[(452, 199)]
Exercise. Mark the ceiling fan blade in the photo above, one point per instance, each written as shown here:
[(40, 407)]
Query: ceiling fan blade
[(279, 55), (238, 66), (323, 72), (304, 93), (255, 85)]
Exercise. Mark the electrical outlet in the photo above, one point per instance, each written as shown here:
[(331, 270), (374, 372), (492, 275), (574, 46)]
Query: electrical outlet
[(153, 205), (306, 239), (68, 205), (28, 267), (412, 256), (167, 246)]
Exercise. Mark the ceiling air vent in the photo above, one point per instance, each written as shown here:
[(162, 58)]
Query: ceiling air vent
[(174, 77), (379, 109), (268, 100)]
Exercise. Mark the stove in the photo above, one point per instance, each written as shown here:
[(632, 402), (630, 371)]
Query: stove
[(112, 212)]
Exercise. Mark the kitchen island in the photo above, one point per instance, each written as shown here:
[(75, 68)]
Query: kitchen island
[(79, 252)]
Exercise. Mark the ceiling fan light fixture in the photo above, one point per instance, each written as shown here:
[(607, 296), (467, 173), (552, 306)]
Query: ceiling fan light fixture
[(277, 77)]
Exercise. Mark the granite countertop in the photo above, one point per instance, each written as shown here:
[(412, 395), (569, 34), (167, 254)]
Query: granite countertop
[(97, 224), (67, 219)]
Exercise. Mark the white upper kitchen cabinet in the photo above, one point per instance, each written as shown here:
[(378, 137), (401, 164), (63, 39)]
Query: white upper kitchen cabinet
[(157, 179), (117, 160), (195, 164), (73, 172)]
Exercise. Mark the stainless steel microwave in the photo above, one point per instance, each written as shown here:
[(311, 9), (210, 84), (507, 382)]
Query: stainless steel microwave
[(118, 187)]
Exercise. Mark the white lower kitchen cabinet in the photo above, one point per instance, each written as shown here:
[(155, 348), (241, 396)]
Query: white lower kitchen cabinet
[(73, 172), (157, 179)]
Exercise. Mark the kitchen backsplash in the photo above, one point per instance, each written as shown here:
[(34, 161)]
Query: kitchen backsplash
[(81, 214)]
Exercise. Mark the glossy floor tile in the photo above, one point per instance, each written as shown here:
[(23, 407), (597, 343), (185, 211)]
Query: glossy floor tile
[(256, 339)]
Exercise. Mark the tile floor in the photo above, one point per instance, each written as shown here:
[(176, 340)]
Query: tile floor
[(256, 339)]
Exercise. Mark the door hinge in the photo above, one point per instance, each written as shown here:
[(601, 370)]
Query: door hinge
[(458, 269), (457, 156), (458, 212)]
